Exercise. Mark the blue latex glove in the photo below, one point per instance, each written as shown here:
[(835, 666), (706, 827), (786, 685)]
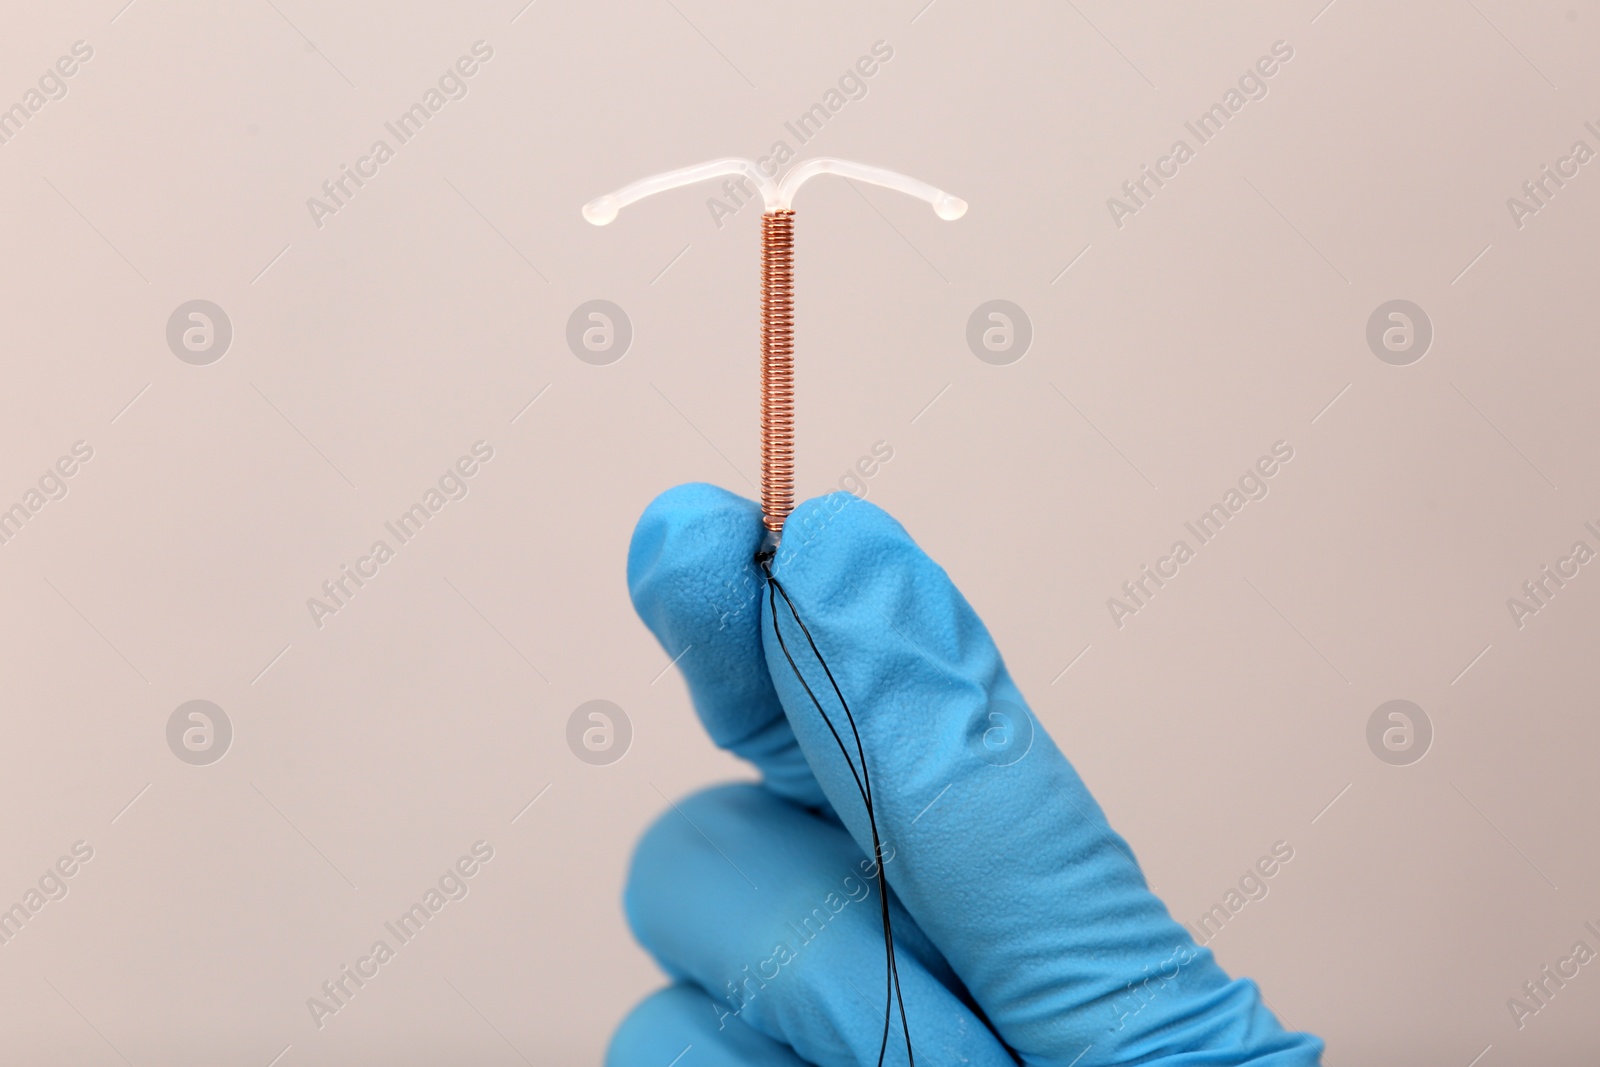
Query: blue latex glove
[(1023, 928)]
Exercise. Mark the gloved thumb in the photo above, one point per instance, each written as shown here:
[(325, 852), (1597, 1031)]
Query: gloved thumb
[(693, 582)]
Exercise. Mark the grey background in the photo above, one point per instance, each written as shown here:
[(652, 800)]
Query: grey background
[(1168, 354)]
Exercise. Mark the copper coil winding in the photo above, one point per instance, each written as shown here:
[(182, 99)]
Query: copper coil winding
[(777, 368)]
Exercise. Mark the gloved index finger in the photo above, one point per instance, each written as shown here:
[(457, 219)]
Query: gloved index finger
[(1000, 853), (693, 580)]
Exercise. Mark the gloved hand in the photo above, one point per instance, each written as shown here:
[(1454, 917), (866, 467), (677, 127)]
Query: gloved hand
[(1023, 928)]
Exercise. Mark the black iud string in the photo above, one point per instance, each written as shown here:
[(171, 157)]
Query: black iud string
[(744, 180), (863, 781)]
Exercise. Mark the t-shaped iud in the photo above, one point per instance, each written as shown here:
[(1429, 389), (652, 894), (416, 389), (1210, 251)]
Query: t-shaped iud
[(777, 290)]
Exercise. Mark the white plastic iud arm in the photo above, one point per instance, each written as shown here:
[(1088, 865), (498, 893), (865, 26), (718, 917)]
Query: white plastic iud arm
[(947, 207), (777, 293), (603, 209), (776, 196)]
